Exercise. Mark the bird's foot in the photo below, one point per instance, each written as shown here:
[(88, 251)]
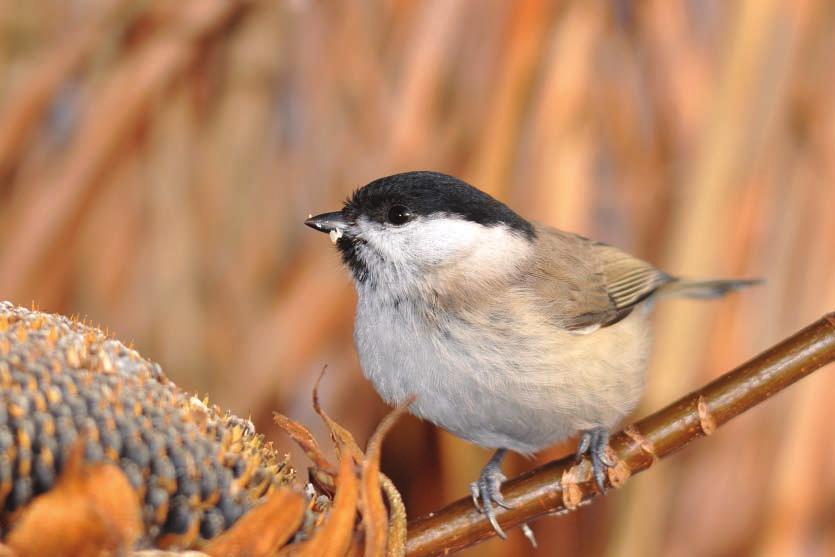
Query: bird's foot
[(486, 491), (593, 442)]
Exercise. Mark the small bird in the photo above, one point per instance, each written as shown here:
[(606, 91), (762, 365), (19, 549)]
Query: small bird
[(510, 334)]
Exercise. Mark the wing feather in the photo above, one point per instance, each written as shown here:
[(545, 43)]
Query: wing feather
[(629, 280), (589, 285)]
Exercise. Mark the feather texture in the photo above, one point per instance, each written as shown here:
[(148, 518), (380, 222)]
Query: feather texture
[(588, 284)]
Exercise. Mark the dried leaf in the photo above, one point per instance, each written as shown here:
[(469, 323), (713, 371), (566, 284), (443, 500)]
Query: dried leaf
[(264, 529), (323, 481), (374, 512), (396, 544), (184, 539), (334, 537), (91, 511), (355, 550), (342, 438), (305, 440)]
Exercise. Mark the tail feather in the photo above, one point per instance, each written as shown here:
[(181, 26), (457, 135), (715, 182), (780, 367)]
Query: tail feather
[(704, 289)]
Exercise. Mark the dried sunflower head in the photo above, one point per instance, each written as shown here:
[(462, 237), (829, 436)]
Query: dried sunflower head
[(62, 382)]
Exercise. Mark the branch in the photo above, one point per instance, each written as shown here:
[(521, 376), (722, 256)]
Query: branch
[(560, 486)]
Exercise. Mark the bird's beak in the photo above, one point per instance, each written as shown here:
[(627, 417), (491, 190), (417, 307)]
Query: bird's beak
[(332, 223)]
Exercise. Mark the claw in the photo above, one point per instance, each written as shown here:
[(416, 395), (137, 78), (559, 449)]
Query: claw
[(583, 445), (593, 442), (483, 499), (474, 491), (608, 459), (498, 498), (487, 490)]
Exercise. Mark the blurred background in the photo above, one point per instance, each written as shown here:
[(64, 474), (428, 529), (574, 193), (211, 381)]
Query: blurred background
[(157, 160)]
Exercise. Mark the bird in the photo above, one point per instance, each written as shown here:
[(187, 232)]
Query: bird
[(508, 333)]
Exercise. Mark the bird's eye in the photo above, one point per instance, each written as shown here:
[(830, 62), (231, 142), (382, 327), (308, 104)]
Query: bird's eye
[(399, 214)]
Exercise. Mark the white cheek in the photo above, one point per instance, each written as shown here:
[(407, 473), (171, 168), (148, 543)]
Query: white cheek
[(447, 243)]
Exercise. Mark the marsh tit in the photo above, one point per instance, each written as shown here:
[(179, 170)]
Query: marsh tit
[(511, 334)]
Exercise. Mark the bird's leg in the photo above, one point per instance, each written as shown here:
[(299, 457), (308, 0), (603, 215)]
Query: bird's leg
[(593, 442), (487, 490)]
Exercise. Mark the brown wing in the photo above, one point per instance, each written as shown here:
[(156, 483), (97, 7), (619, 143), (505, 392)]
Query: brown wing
[(629, 280), (587, 284)]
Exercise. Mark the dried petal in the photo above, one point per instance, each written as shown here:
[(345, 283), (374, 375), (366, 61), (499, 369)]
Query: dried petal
[(91, 511), (396, 544), (305, 440), (374, 512), (342, 438), (334, 537), (264, 529)]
